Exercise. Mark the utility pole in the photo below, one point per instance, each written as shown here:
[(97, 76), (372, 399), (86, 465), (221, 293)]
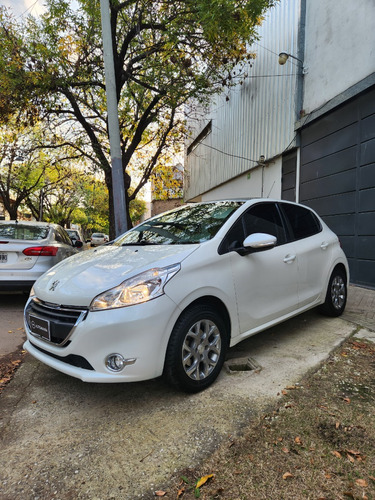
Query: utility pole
[(119, 200)]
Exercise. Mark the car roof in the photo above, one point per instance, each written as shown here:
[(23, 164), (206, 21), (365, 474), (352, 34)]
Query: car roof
[(29, 223)]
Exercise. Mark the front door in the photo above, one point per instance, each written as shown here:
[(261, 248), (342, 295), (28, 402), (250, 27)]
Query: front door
[(266, 282)]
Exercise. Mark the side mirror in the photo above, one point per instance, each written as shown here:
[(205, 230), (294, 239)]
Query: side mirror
[(257, 242), (77, 244)]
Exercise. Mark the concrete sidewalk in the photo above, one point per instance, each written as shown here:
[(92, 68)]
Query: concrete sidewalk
[(360, 308)]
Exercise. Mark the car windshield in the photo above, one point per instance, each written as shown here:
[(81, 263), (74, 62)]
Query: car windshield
[(190, 224), (72, 233), (23, 232)]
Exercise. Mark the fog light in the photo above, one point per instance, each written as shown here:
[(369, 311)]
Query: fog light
[(115, 362)]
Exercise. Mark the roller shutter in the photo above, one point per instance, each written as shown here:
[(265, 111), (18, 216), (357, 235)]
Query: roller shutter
[(338, 179)]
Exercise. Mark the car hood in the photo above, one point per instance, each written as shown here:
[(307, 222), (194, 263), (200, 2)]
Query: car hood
[(78, 279)]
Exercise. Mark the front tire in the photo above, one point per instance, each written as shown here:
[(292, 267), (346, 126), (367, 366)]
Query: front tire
[(336, 296), (196, 350)]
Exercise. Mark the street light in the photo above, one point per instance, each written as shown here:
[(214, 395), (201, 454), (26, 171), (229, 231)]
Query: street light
[(284, 56)]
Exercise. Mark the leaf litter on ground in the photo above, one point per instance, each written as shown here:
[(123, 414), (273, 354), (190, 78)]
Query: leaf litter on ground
[(318, 442)]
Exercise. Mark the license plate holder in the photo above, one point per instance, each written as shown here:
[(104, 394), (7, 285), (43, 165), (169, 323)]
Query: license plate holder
[(40, 327)]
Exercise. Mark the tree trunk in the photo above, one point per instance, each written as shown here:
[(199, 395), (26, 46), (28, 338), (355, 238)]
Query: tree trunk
[(111, 218), (108, 181)]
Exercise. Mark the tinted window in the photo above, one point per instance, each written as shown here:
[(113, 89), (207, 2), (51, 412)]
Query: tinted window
[(264, 218), (302, 221), (261, 218)]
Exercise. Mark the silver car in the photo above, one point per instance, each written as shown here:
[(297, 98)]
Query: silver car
[(28, 250), (75, 235), (98, 239)]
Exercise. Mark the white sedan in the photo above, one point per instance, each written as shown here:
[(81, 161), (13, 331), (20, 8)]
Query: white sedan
[(170, 296), (28, 249)]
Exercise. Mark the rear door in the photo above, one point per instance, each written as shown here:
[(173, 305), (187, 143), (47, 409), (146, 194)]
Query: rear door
[(313, 249)]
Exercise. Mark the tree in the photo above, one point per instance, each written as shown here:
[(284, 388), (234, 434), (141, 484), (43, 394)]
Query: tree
[(59, 196), (22, 166), (30, 172), (166, 53)]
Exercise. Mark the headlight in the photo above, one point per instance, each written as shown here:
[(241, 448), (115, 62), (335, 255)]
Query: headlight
[(140, 288)]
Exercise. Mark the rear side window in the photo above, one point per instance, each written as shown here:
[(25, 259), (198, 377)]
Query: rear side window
[(302, 221)]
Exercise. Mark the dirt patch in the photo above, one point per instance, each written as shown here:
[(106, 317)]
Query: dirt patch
[(318, 444), (9, 365)]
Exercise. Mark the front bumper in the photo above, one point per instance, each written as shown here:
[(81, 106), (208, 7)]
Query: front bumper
[(138, 332)]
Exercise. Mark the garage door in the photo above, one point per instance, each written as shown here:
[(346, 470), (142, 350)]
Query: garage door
[(338, 179)]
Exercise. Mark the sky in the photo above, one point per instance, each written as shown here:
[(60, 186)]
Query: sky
[(20, 7)]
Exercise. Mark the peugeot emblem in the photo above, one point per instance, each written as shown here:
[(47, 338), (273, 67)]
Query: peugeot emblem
[(54, 286)]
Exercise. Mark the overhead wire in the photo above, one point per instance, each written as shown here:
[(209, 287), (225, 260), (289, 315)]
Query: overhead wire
[(28, 9)]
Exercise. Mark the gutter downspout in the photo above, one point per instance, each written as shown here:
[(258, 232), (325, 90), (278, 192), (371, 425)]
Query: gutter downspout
[(300, 91)]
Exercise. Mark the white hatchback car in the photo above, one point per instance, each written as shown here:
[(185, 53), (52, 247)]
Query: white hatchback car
[(98, 239), (28, 249), (171, 295)]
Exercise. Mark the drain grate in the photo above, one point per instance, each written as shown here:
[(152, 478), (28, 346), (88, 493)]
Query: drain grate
[(242, 365)]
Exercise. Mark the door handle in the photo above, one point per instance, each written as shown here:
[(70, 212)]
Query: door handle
[(324, 245), (289, 259)]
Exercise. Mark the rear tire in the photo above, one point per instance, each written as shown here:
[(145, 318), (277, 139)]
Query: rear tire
[(197, 349), (336, 296)]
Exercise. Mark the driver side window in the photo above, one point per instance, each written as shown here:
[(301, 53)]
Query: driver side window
[(260, 218), (264, 218)]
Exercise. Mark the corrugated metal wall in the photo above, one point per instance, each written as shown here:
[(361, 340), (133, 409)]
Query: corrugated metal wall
[(260, 115)]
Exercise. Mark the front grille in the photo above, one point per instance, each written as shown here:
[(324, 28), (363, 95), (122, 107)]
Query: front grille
[(62, 319)]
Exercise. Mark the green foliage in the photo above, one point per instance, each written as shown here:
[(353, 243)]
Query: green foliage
[(166, 54), (92, 213), (137, 208), (167, 182), (22, 165)]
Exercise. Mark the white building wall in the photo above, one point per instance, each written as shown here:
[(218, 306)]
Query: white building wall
[(262, 181), (257, 120), (339, 47)]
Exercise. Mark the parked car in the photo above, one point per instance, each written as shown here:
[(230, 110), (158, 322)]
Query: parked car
[(98, 239), (75, 235), (29, 249), (171, 295)]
